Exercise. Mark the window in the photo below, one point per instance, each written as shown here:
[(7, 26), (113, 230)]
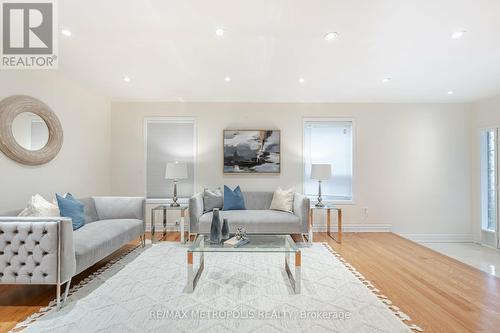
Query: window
[(489, 179), (169, 139), (329, 141)]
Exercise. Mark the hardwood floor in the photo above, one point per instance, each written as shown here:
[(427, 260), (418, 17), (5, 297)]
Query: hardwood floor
[(439, 293)]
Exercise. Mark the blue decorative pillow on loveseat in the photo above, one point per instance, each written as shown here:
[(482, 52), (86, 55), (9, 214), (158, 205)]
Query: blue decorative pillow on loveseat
[(72, 208), (233, 200)]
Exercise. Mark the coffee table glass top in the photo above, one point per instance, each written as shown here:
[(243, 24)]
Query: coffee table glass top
[(258, 243)]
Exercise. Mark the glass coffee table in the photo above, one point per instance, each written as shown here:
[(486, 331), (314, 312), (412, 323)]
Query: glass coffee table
[(258, 244)]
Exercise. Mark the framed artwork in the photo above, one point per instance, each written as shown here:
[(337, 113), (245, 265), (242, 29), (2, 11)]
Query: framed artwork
[(251, 152)]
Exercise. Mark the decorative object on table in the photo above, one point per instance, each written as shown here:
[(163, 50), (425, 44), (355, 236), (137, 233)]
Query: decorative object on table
[(212, 199), (176, 171), (215, 228), (45, 132), (251, 151), (283, 200), (236, 242), (241, 233), (225, 229), (233, 199), (320, 172), (239, 239)]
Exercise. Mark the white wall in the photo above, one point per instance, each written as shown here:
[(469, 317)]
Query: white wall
[(412, 160), (82, 165), (486, 114)]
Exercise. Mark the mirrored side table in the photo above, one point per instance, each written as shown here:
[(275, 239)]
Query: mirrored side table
[(164, 209), (328, 208)]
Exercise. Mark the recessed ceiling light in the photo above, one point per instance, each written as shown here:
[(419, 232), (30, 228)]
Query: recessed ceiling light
[(227, 79), (458, 34), (302, 80), (386, 80), (126, 79), (450, 92), (331, 36), (219, 32), (66, 32)]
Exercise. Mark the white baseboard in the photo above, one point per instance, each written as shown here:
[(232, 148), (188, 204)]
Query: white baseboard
[(356, 228), (439, 238)]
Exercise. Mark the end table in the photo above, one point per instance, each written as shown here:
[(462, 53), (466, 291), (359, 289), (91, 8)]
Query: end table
[(166, 208), (328, 208)]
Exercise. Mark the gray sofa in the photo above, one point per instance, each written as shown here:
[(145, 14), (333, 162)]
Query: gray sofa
[(46, 250), (257, 218)]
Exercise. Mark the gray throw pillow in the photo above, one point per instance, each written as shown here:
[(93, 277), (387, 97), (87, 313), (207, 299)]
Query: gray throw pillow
[(212, 199)]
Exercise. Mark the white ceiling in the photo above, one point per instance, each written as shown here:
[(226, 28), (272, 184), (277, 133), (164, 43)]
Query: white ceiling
[(170, 50)]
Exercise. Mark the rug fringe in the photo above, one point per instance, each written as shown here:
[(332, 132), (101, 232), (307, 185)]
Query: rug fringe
[(385, 300), (52, 304)]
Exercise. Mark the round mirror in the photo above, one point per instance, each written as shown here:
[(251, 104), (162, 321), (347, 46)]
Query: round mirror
[(30, 131)]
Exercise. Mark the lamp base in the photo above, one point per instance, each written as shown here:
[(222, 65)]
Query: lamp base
[(174, 204), (320, 204)]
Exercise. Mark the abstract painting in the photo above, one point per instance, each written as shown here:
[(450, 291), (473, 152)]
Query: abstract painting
[(251, 151)]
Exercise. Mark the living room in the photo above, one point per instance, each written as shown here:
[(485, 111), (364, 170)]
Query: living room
[(359, 141)]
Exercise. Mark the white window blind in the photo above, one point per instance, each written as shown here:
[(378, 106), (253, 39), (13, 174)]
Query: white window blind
[(329, 142), (489, 181), (169, 140)]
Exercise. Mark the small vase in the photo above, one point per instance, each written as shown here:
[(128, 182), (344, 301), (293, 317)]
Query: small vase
[(215, 229), (225, 230)]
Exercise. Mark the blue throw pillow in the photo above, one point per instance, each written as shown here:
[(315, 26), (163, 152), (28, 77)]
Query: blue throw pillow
[(72, 208), (233, 200)]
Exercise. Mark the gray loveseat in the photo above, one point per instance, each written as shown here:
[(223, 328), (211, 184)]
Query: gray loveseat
[(257, 218), (43, 250)]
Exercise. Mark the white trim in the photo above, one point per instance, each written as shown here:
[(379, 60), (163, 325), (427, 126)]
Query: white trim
[(355, 228), (438, 238), (171, 120), (354, 154)]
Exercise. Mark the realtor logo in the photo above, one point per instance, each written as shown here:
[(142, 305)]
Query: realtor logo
[(28, 34)]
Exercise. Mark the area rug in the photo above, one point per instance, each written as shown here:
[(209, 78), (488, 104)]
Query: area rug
[(144, 291)]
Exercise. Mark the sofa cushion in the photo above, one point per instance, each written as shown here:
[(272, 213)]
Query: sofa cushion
[(212, 199), (233, 199), (70, 207), (90, 211), (283, 200), (119, 207), (254, 221), (97, 240), (258, 200)]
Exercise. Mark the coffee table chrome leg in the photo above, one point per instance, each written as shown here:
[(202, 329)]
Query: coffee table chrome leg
[(153, 228), (294, 280), (192, 276)]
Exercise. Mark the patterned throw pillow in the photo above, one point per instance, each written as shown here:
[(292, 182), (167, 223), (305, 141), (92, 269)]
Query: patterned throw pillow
[(283, 200), (212, 199)]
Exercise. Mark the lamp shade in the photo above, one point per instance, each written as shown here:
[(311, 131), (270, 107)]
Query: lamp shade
[(321, 171), (176, 170)]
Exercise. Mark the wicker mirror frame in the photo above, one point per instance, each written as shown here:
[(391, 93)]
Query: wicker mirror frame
[(10, 108)]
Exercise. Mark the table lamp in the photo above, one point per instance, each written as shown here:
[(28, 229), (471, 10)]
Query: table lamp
[(175, 171), (320, 172)]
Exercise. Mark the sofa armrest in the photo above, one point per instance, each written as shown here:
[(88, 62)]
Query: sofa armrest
[(301, 205), (195, 211), (38, 250), (110, 208)]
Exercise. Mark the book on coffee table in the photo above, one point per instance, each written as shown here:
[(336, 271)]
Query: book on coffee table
[(235, 242)]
